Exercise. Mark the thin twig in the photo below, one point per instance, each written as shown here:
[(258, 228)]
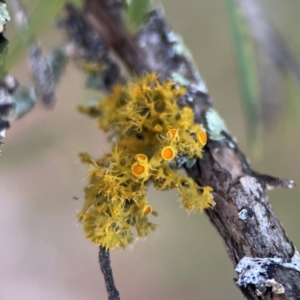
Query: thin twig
[(41, 70), (89, 48), (105, 266)]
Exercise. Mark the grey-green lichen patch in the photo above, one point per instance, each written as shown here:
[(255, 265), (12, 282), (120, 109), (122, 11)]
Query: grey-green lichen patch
[(25, 100), (179, 161), (4, 16), (179, 47), (215, 125), (200, 85), (177, 77)]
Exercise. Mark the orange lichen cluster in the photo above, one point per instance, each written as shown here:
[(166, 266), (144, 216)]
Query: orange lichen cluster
[(152, 134)]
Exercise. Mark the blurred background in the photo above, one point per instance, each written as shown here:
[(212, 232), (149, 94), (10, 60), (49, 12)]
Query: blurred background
[(43, 252)]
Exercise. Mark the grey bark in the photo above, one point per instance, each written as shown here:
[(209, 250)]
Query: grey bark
[(105, 266)]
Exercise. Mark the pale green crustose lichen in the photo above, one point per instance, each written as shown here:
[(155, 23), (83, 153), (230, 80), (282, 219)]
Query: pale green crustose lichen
[(4, 15)]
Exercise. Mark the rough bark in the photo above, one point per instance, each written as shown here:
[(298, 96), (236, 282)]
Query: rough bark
[(266, 261), (105, 266)]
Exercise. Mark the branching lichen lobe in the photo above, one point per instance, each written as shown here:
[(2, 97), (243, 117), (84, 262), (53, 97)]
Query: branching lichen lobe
[(152, 134)]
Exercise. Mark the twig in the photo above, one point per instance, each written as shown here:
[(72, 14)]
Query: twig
[(41, 70), (104, 260), (89, 48), (15, 100)]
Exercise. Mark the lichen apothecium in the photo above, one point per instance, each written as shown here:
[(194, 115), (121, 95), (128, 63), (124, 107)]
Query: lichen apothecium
[(150, 131)]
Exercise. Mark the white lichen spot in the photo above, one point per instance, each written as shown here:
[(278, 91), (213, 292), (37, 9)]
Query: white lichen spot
[(291, 184), (295, 262), (243, 214), (254, 271), (2, 134), (231, 145), (258, 292), (263, 222), (4, 16), (270, 187), (251, 186), (10, 81), (277, 288), (215, 125), (200, 85)]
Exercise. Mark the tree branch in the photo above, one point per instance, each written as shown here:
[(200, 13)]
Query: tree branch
[(266, 261)]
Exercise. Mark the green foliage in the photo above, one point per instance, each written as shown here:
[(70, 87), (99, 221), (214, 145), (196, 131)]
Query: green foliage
[(152, 136), (245, 58), (136, 11), (43, 14)]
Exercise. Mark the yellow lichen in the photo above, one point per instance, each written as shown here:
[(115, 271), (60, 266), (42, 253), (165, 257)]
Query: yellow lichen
[(139, 170), (168, 153), (141, 158), (158, 128), (150, 132), (147, 210), (202, 138), (172, 133)]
